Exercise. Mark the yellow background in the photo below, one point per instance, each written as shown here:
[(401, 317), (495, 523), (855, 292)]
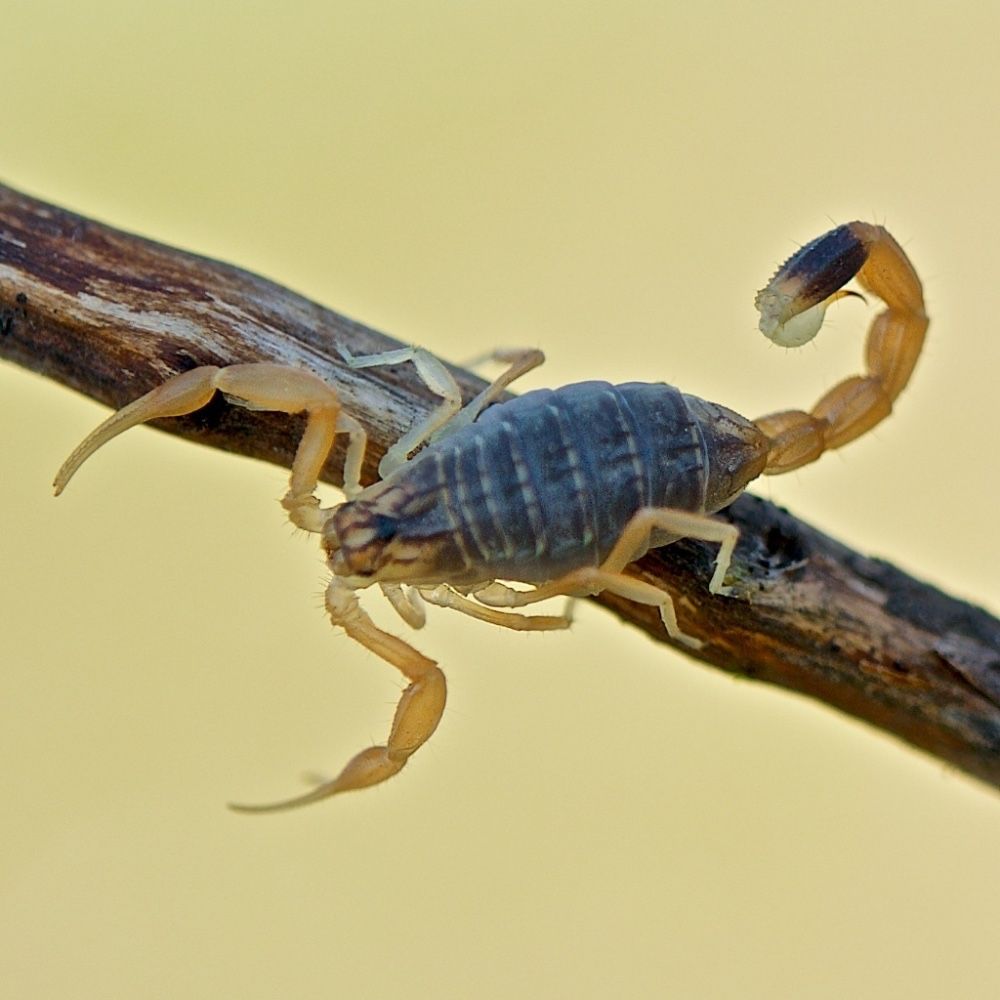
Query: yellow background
[(595, 817)]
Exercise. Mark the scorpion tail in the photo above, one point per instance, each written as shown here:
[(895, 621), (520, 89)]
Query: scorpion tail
[(791, 309)]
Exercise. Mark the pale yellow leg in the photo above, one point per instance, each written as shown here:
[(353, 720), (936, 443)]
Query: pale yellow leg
[(417, 714), (609, 577), (591, 580), (444, 597), (435, 376), (521, 361), (449, 415), (406, 602), (685, 524)]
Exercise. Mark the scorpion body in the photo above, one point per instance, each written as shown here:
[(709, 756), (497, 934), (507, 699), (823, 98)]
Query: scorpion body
[(559, 489), (544, 484)]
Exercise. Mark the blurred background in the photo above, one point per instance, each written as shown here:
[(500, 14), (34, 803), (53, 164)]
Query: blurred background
[(596, 816)]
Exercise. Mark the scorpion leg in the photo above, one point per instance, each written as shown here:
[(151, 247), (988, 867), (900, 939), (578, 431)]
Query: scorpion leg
[(633, 542), (449, 415), (435, 376), (417, 714), (446, 597), (521, 361), (593, 580), (261, 386), (406, 602), (635, 539), (792, 308)]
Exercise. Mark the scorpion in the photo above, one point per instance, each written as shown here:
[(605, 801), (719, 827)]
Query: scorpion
[(557, 490)]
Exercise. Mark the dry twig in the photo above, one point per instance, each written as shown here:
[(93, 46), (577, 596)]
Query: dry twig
[(112, 315)]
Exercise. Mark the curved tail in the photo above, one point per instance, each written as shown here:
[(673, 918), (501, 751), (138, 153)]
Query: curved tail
[(791, 312)]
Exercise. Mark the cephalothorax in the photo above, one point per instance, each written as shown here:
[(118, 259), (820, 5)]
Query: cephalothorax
[(559, 489)]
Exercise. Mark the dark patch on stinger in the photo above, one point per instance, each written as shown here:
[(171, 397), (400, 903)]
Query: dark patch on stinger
[(825, 264)]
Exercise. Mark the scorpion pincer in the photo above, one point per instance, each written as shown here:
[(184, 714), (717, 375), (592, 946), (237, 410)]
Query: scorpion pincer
[(558, 489)]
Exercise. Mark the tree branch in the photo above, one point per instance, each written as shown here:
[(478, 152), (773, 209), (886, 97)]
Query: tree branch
[(112, 315)]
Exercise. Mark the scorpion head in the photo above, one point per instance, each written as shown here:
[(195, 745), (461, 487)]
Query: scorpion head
[(359, 541), (368, 540)]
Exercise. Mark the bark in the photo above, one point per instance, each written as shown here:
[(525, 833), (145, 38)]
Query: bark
[(111, 315)]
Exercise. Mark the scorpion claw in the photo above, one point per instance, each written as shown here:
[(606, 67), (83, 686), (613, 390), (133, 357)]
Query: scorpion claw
[(363, 770)]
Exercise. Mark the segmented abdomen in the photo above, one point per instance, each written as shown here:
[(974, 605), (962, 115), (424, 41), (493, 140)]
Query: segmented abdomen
[(545, 483)]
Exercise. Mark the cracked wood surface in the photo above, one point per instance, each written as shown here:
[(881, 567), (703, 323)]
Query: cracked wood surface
[(111, 315)]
